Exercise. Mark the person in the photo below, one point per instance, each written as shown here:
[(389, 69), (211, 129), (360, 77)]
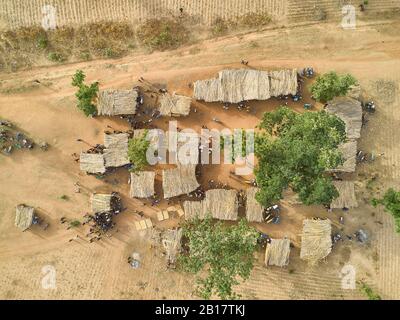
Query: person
[(244, 62)]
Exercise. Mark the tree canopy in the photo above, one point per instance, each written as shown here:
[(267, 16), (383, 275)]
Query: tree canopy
[(137, 148), (224, 252), (391, 202), (295, 150), (330, 85), (86, 94)]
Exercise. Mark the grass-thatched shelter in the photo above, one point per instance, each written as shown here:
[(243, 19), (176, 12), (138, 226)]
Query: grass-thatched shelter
[(181, 180), (171, 241), (24, 216), (316, 241), (116, 150), (142, 184), (193, 209), (349, 154), (92, 162), (101, 202), (234, 86), (254, 210), (174, 105), (347, 196), (117, 102), (277, 252), (350, 111), (222, 204)]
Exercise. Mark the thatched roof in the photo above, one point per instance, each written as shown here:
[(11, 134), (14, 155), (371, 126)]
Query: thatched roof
[(193, 209), (92, 162), (350, 111), (101, 202), (349, 153), (254, 211), (142, 184), (246, 84), (117, 102), (277, 252), (347, 196), (24, 216), (171, 241), (116, 151), (316, 241), (221, 203), (181, 180), (174, 105)]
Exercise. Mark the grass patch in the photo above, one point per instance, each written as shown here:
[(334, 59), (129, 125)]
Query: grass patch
[(254, 20), (368, 291), (75, 223), (64, 197), (56, 57), (162, 34)]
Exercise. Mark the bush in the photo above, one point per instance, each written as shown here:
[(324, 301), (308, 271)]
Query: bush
[(86, 94), (137, 149), (75, 223), (162, 34), (391, 202), (331, 85), (42, 42), (367, 290), (56, 57)]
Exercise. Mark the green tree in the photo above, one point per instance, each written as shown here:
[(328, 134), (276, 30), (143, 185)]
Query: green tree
[(86, 95), (137, 148), (295, 150), (391, 202), (330, 85), (225, 253)]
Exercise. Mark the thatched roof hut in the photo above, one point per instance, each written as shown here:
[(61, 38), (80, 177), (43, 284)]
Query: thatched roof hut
[(92, 162), (234, 86), (316, 241), (174, 105), (277, 252), (193, 209), (222, 204), (254, 210), (347, 196), (101, 202), (350, 111), (349, 153), (117, 102), (181, 180), (142, 184), (24, 216), (171, 241), (116, 151)]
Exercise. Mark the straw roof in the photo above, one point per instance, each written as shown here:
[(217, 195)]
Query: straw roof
[(316, 241), (181, 180), (246, 84), (142, 184), (101, 202), (117, 102), (349, 153), (116, 151), (350, 111), (24, 216), (171, 241), (254, 211), (277, 252), (92, 162), (347, 196), (174, 105), (193, 209), (221, 203)]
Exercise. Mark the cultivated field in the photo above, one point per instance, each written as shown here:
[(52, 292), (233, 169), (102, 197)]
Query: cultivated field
[(99, 270)]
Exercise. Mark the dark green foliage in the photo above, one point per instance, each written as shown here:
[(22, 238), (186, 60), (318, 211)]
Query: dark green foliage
[(391, 202), (86, 94), (223, 252), (137, 148), (75, 223), (56, 57), (330, 85), (294, 150)]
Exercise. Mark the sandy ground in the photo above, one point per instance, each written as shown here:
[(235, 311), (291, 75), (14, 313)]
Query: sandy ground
[(99, 270)]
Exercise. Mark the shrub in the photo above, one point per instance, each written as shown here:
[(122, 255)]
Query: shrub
[(391, 202), (137, 149), (56, 57), (331, 85), (86, 94)]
